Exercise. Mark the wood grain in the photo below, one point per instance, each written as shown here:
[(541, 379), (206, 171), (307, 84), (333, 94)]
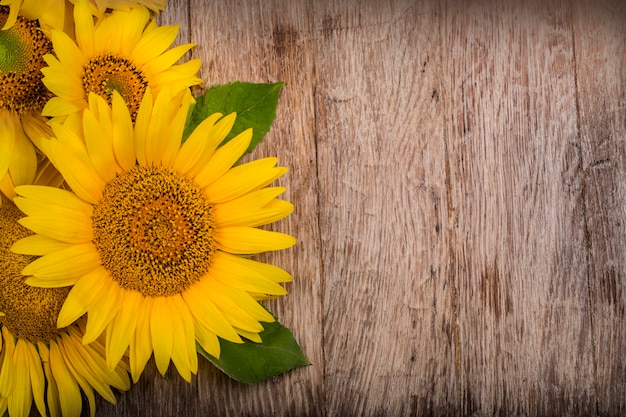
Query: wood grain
[(388, 332), (525, 335), (458, 171), (600, 34)]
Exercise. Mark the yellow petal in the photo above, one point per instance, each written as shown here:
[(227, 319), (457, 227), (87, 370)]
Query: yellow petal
[(184, 345), (84, 28), (253, 209), (101, 109), (122, 133), (178, 77), (162, 333), (208, 340), (48, 283), (248, 240), (141, 344), (130, 30), (238, 272), (122, 329), (7, 187), (107, 33), (142, 123), (153, 43), (77, 369), (99, 142), (57, 106), (156, 138), (7, 133), (11, 18), (211, 136), (165, 128), (37, 378), (223, 159), (24, 160), (89, 394), (38, 245), (54, 197), (254, 337), (175, 128), (188, 326), (21, 400), (244, 178), (88, 367), (67, 51), (52, 391), (72, 160), (63, 267), (207, 314), (60, 80), (93, 354), (103, 311), (82, 296), (167, 59), (239, 311), (60, 227), (272, 272), (38, 131), (69, 394), (196, 149), (7, 369)]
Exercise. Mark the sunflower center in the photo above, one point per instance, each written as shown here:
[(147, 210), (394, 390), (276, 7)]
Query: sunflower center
[(108, 73), (22, 48), (154, 229), (30, 312)]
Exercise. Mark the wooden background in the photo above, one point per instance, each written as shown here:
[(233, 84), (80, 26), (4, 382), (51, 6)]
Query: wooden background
[(459, 175)]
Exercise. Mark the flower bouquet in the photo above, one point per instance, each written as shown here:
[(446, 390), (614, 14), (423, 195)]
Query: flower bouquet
[(129, 221)]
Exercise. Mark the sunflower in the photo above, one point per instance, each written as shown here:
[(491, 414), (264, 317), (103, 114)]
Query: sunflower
[(38, 361), (22, 94), (152, 236), (124, 51), (49, 13)]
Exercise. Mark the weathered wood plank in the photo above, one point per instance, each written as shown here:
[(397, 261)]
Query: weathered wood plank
[(525, 337), (458, 172), (257, 42), (388, 331), (600, 35)]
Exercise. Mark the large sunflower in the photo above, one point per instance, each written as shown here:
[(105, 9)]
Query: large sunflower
[(152, 235), (38, 361), (22, 94), (124, 51)]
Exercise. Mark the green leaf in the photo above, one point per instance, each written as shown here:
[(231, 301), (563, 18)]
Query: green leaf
[(255, 362), (255, 105)]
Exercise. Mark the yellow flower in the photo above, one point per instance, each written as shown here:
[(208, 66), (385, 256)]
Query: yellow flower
[(152, 235), (124, 51), (38, 361), (49, 13), (22, 94)]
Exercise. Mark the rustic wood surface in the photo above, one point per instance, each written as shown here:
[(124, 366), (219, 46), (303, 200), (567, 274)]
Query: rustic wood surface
[(459, 176)]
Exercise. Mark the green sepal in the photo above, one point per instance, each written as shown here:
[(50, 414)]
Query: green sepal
[(252, 362), (255, 105)]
